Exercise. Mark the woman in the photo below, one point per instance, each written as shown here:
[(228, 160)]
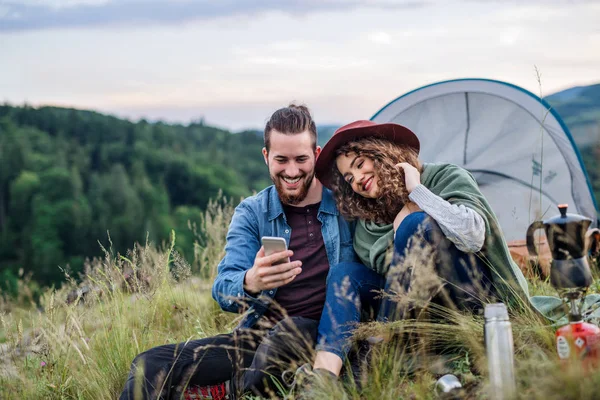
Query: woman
[(432, 213)]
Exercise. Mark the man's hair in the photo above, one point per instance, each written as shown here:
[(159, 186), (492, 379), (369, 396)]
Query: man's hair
[(291, 120), (392, 191)]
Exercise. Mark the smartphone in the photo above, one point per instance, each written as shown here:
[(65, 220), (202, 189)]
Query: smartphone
[(275, 245)]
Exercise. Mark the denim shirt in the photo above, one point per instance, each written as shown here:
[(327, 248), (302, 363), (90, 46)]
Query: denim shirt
[(263, 215)]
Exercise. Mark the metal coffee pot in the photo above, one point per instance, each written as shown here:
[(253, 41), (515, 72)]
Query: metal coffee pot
[(566, 237)]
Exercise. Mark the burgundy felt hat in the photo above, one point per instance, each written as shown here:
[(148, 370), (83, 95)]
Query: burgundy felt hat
[(324, 167)]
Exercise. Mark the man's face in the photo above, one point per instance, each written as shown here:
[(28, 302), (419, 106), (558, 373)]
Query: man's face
[(291, 162)]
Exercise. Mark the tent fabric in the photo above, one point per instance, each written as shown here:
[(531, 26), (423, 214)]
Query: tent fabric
[(517, 148)]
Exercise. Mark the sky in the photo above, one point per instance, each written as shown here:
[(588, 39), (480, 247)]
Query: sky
[(232, 63)]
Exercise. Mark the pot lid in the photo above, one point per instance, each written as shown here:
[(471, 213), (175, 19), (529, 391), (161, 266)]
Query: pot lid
[(564, 218)]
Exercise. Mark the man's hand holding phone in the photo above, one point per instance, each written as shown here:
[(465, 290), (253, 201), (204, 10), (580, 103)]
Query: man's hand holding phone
[(266, 273)]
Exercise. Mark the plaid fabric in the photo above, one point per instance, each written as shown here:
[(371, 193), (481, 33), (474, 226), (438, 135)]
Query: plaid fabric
[(212, 392)]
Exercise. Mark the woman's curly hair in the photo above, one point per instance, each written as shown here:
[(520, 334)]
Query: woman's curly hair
[(390, 180)]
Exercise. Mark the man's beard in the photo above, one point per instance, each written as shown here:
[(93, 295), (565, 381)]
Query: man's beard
[(301, 192)]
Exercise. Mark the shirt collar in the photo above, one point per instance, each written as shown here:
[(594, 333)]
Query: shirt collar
[(328, 203)]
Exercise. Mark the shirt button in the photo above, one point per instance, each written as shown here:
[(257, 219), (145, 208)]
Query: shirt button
[(309, 222), (270, 292), (255, 315), (287, 231), (310, 234)]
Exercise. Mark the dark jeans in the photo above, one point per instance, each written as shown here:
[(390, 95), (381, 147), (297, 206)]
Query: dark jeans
[(463, 281), (248, 359)]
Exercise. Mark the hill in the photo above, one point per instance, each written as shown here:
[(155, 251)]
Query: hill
[(579, 107), (325, 132), (66, 349), (67, 177)]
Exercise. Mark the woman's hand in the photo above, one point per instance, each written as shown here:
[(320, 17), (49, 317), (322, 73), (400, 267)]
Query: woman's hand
[(412, 177)]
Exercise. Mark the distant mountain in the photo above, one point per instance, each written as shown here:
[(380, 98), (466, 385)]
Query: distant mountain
[(325, 132), (579, 107), (568, 94)]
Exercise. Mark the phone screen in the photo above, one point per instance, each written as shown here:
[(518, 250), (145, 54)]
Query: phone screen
[(275, 245)]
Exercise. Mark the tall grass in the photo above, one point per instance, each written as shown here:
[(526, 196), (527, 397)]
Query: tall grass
[(79, 340)]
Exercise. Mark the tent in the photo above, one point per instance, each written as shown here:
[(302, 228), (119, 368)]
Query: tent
[(517, 148)]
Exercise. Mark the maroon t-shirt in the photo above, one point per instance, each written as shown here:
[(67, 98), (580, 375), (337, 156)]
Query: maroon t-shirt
[(305, 295)]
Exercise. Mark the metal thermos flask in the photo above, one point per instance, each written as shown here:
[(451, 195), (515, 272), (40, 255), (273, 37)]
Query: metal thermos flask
[(500, 352)]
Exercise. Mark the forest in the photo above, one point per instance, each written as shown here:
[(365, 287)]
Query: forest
[(72, 182)]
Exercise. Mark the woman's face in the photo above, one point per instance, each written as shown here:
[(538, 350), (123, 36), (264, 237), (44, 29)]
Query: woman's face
[(360, 174)]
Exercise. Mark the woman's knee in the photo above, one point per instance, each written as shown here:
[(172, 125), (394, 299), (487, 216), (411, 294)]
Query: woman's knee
[(417, 224)]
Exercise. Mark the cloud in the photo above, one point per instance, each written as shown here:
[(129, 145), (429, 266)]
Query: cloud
[(57, 4), (326, 63), (45, 14), (380, 37)]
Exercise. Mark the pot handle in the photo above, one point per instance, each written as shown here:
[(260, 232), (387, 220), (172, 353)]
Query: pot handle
[(530, 240), (592, 242)]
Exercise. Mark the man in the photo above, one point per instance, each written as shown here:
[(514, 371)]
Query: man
[(285, 300)]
